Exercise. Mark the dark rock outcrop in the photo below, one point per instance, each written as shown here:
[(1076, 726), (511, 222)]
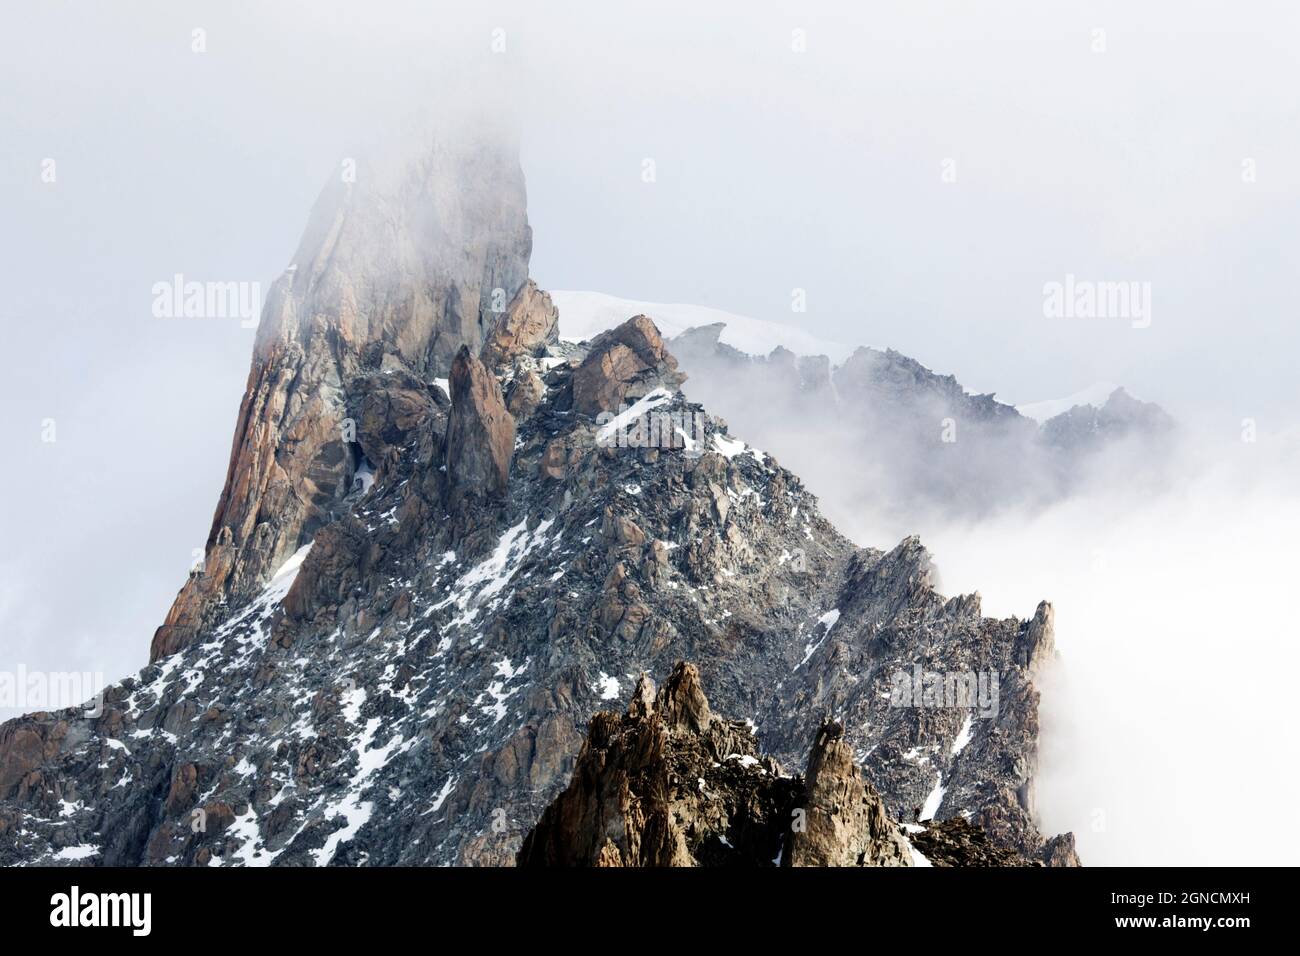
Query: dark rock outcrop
[(481, 432), (957, 842), (846, 822), (671, 784), (667, 784)]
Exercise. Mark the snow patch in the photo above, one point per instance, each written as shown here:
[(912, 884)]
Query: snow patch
[(828, 620), (624, 419), (729, 447), (607, 687), (963, 736), (1095, 395), (932, 802), (81, 851), (283, 578)]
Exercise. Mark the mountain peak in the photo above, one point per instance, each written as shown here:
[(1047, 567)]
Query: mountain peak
[(415, 600), (396, 272), (415, 686)]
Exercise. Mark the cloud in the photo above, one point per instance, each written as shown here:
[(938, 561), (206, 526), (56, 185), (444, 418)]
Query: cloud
[(1167, 722)]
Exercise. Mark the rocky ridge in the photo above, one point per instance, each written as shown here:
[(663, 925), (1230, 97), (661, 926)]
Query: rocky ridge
[(910, 436)]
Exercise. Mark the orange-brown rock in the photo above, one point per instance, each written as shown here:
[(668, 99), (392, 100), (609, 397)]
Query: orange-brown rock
[(24, 746), (665, 785), (395, 273), (481, 432), (623, 363), (180, 795), (529, 325), (670, 783), (845, 821), (526, 393)]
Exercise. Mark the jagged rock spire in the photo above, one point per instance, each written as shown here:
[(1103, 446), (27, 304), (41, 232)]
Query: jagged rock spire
[(681, 703), (529, 325), (846, 823), (481, 433), (396, 273), (672, 784), (415, 690)]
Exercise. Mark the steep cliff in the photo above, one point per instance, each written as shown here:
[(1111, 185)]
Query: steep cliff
[(396, 272)]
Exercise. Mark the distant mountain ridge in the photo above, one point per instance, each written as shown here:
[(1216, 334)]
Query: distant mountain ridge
[(587, 314), (906, 440)]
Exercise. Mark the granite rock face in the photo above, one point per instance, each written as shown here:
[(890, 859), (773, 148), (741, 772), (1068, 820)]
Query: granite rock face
[(529, 326), (622, 365), (416, 597), (846, 824), (395, 274), (667, 784), (958, 842)]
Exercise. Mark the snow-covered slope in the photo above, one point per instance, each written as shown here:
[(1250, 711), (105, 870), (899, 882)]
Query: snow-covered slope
[(1095, 394), (583, 315)]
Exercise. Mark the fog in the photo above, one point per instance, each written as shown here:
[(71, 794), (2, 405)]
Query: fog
[(1166, 728), (1167, 734), (919, 169), (1167, 556)]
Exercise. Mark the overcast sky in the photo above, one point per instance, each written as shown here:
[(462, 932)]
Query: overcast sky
[(920, 169)]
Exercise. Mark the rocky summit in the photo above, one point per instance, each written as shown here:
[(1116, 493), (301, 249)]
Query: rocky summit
[(448, 540)]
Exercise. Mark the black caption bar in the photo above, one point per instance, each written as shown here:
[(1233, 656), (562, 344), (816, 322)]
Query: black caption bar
[(335, 905)]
